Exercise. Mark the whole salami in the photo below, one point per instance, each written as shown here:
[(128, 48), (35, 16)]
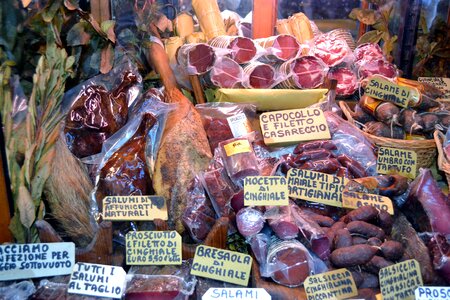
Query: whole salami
[(330, 49)]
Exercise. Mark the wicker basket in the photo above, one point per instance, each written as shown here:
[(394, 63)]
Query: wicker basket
[(425, 149), (442, 161)]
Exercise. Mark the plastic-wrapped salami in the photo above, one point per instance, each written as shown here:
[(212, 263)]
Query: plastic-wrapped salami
[(225, 73), (305, 72), (368, 52), (259, 75), (376, 67), (242, 49), (239, 159), (280, 47), (331, 50), (196, 58), (249, 221), (347, 82)]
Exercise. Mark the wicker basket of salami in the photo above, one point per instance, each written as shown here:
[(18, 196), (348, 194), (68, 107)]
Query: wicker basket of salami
[(442, 159), (425, 149)]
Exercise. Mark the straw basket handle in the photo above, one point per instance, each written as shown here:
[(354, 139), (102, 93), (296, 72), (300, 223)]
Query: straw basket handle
[(347, 111)]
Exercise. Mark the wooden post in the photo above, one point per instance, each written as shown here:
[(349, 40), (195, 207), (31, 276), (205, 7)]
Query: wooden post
[(100, 10), (264, 18), (5, 217), (362, 26)]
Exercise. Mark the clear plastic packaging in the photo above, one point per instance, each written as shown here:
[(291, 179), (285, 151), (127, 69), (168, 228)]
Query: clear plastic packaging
[(333, 51), (17, 291), (197, 59), (249, 221), (54, 290), (225, 73), (305, 72), (347, 81), (279, 48), (242, 49)]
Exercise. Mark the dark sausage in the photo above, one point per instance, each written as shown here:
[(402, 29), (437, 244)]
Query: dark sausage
[(366, 229), (329, 145), (328, 166), (364, 213), (392, 250), (317, 154), (343, 239), (352, 256)]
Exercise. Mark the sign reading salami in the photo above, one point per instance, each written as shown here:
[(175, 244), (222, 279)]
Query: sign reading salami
[(134, 208), (355, 200), (397, 161), (153, 248), (337, 284), (97, 280), (286, 127), (20, 261), (400, 280), (265, 190), (432, 292), (315, 186), (236, 293), (441, 83), (224, 265), (383, 89)]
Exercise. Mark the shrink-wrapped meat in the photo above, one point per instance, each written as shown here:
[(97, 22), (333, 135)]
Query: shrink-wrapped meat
[(249, 221), (330, 49), (347, 82)]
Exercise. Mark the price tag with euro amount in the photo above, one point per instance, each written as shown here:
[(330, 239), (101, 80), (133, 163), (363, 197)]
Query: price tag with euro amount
[(400, 280), (383, 89), (355, 200), (153, 248), (337, 284), (315, 186), (265, 190), (223, 265), (134, 208), (397, 161), (287, 127), (441, 83)]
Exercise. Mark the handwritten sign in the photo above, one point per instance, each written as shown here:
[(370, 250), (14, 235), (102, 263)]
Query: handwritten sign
[(337, 284), (315, 186), (399, 281), (432, 292), (224, 265), (239, 125), (380, 88), (355, 200), (153, 248), (97, 280), (20, 261), (134, 208), (397, 161), (443, 84), (286, 127), (238, 146), (236, 293), (265, 190)]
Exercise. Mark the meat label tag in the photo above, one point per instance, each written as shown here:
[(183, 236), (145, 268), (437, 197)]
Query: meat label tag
[(236, 147), (432, 292), (443, 84), (153, 248), (383, 89), (400, 280), (337, 284), (236, 293), (23, 261), (265, 190), (134, 208), (315, 186), (223, 265), (239, 125), (287, 127), (97, 280), (397, 161), (355, 200)]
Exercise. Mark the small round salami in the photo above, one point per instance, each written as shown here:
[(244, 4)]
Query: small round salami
[(331, 50)]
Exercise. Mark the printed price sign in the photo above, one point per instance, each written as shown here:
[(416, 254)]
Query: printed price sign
[(315, 186), (337, 284), (22, 261), (265, 190), (97, 280), (443, 84), (383, 89), (286, 127), (134, 208), (224, 265), (399, 281), (355, 200), (397, 161), (153, 248), (432, 292), (236, 293), (237, 147)]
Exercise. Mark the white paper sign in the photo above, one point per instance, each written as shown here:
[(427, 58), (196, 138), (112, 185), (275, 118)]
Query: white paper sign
[(236, 293), (432, 292), (20, 261), (97, 280)]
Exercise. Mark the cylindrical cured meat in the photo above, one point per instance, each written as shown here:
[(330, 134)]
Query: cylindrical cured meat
[(226, 73), (242, 49), (376, 67), (330, 49), (347, 82), (368, 52), (259, 75), (280, 47), (249, 221), (196, 58), (306, 72)]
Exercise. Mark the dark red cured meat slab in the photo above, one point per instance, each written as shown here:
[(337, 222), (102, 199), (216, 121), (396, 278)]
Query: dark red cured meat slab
[(331, 50), (309, 72), (197, 58), (244, 50), (376, 67), (368, 52), (282, 47), (226, 73), (347, 82), (260, 76)]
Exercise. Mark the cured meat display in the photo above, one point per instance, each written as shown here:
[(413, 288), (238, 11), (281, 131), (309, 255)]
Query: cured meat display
[(305, 72), (330, 49), (347, 81), (259, 75), (282, 47), (368, 52), (226, 73), (196, 58), (376, 67), (242, 49)]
